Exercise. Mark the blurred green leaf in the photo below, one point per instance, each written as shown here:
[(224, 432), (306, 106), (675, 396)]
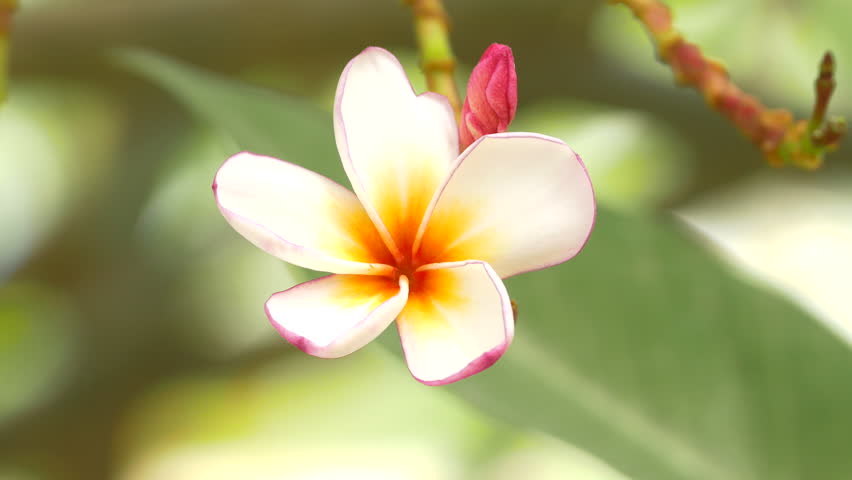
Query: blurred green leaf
[(256, 119), (221, 297), (782, 227), (37, 347), (56, 144), (299, 418), (31, 191), (8, 472), (217, 280), (540, 457), (635, 163), (645, 350), (180, 214)]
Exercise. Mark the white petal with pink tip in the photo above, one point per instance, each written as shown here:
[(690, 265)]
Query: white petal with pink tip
[(396, 146), (335, 315), (519, 201), (458, 321), (298, 215)]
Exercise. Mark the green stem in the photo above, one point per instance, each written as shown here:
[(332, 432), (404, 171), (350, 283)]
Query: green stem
[(6, 9), (433, 39)]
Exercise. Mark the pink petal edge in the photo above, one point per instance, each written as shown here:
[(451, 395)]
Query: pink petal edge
[(378, 268), (486, 360), (302, 343), (490, 357)]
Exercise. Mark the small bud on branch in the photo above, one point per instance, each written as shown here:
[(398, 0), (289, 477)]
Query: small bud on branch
[(824, 88), (492, 96), (783, 140)]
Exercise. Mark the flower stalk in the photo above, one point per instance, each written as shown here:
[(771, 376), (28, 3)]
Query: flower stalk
[(782, 139), (432, 26), (7, 7)]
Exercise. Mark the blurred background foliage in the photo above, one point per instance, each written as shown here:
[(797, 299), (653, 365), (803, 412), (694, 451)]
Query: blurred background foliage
[(703, 334)]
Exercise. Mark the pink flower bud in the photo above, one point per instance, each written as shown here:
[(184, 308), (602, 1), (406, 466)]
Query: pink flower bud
[(492, 95)]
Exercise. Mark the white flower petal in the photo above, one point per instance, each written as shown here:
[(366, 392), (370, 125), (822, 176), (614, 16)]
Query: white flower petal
[(396, 146), (519, 201), (299, 216), (335, 315), (458, 321)]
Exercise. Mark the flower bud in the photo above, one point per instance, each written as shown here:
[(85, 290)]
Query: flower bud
[(492, 95)]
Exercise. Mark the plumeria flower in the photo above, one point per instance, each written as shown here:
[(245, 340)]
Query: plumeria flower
[(427, 235)]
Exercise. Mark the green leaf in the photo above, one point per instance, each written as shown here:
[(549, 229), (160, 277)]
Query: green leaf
[(300, 417), (257, 120), (38, 347), (295, 420), (645, 350), (44, 123), (182, 227)]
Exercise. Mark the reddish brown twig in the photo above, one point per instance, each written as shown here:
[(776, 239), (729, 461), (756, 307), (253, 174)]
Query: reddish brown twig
[(783, 140)]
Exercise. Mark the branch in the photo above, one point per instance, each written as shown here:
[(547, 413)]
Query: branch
[(6, 9), (783, 140), (433, 39)]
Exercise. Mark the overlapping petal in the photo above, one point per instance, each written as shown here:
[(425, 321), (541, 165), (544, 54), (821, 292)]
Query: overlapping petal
[(396, 146), (335, 315), (299, 216), (458, 321), (518, 201)]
